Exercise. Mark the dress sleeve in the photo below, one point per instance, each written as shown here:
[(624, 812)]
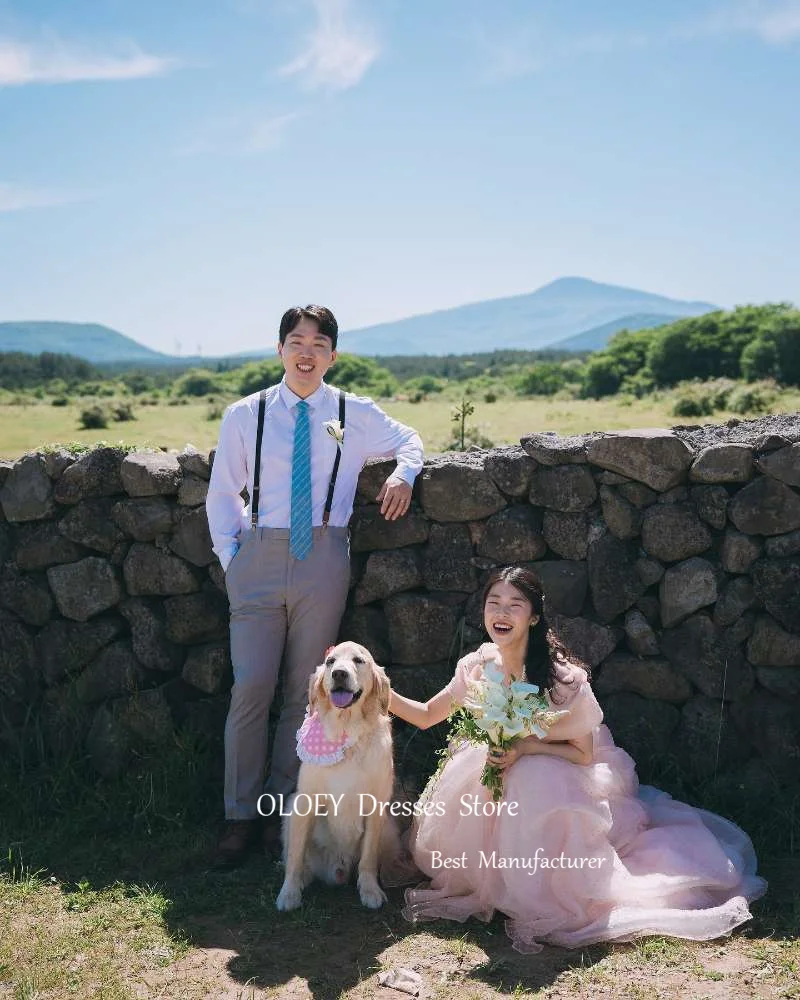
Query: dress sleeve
[(465, 671), (573, 693)]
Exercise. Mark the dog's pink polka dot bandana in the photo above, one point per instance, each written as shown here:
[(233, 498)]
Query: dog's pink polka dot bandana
[(314, 747)]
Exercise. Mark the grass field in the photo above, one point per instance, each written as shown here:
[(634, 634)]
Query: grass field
[(28, 427), (106, 894)]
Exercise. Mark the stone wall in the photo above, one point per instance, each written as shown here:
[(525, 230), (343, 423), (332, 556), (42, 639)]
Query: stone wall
[(670, 559)]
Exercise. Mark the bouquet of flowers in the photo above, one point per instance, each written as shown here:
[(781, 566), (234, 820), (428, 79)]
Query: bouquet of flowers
[(497, 714)]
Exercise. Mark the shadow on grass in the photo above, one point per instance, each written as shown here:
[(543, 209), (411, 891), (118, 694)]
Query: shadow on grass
[(157, 825)]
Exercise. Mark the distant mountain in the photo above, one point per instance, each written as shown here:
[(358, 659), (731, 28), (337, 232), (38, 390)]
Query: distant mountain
[(597, 338), (556, 312), (85, 340)]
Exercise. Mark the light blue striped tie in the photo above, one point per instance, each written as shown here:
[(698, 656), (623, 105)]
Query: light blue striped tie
[(300, 535)]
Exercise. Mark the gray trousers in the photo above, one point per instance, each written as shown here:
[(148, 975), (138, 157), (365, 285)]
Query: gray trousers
[(282, 609)]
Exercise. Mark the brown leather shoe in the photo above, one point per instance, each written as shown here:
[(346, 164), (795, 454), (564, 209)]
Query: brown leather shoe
[(238, 837)]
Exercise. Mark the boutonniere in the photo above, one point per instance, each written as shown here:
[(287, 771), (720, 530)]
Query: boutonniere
[(336, 431)]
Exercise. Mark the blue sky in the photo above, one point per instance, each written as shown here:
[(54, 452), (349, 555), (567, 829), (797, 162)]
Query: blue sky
[(185, 170)]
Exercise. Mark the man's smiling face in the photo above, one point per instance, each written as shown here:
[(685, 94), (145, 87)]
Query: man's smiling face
[(307, 355)]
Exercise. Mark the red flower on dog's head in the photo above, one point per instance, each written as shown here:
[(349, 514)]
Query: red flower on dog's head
[(330, 649)]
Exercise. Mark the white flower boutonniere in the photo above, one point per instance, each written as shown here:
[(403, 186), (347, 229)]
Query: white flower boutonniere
[(336, 431)]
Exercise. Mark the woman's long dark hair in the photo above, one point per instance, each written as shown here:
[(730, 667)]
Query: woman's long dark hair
[(543, 643)]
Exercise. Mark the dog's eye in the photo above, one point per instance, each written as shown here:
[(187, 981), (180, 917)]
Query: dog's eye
[(330, 661), (359, 660)]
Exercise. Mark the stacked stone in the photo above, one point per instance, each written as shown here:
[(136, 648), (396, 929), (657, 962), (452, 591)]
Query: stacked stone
[(670, 560)]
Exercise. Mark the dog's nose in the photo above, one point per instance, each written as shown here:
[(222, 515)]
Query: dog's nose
[(338, 676)]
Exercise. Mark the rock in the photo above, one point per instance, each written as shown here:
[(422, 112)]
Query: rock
[(148, 571), (711, 503), (388, 573), (549, 448), (19, 672), (641, 638), (209, 667), (217, 576), (195, 618), (373, 476), (685, 588), (650, 570), (146, 716), (57, 460), (737, 597), (765, 507), (706, 654), (5, 470), (606, 478), (114, 672), (782, 545), (95, 474), (613, 580), (652, 678), (89, 523), (565, 487), (421, 629), (772, 726), (194, 462), (206, 719), (65, 648), (638, 494), (25, 596), (783, 465), (739, 552), (27, 493), (777, 584), (85, 588), (369, 531), (108, 743), (772, 646), (566, 533), (741, 630), (64, 721), (193, 491), (145, 519), (624, 520), (672, 533), (148, 625), (655, 457), (641, 726), (705, 739), (564, 584), (457, 488), (191, 539), (368, 627), (590, 642), (723, 463), (446, 563), (42, 545), (513, 535), (782, 681), (678, 494), (151, 473), (510, 469), (651, 608)]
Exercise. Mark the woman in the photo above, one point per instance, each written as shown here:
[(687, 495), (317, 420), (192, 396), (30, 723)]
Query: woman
[(580, 852)]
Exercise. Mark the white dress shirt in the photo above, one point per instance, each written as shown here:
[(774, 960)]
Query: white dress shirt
[(368, 433)]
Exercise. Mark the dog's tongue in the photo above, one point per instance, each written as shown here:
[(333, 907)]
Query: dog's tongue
[(341, 699)]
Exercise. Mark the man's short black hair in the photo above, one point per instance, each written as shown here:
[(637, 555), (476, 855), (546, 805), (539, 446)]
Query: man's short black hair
[(320, 315)]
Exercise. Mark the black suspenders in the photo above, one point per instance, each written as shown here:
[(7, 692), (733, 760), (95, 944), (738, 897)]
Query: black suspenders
[(262, 404)]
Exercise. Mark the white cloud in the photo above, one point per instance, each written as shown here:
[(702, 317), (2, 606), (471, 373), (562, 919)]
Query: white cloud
[(55, 61), (245, 131), (18, 197), (777, 23), (338, 52), (266, 134)]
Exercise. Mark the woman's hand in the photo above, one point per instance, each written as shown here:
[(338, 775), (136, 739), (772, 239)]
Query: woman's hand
[(503, 759)]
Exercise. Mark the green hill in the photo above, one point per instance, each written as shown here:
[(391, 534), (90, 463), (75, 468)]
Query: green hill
[(85, 340)]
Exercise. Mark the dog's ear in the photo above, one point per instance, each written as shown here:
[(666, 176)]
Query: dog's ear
[(315, 691), (383, 688)]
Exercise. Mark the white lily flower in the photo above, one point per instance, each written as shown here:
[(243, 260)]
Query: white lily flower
[(336, 431)]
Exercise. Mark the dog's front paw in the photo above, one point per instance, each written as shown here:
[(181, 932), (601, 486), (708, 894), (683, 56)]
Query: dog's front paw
[(290, 897), (370, 892)]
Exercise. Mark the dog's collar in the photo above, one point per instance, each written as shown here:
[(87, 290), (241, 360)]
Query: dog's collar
[(314, 747)]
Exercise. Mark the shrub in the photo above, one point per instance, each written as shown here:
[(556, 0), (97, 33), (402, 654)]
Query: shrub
[(215, 412), (59, 401), (197, 382), (93, 418), (757, 397), (122, 412), (490, 396)]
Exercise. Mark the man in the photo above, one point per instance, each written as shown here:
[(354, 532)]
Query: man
[(286, 556)]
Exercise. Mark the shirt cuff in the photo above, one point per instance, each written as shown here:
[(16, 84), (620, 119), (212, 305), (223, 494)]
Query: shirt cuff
[(227, 554), (402, 476)]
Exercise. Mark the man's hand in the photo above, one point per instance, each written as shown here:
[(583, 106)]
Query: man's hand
[(394, 498)]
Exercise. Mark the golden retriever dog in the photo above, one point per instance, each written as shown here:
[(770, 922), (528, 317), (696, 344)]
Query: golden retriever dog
[(338, 818)]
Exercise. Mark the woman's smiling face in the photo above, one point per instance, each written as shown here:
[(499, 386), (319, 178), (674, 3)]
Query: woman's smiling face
[(507, 614)]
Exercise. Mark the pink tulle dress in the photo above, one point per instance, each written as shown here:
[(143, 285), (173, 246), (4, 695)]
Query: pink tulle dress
[(590, 855)]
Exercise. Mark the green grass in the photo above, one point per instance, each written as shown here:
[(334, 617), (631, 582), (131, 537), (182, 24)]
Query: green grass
[(27, 427)]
